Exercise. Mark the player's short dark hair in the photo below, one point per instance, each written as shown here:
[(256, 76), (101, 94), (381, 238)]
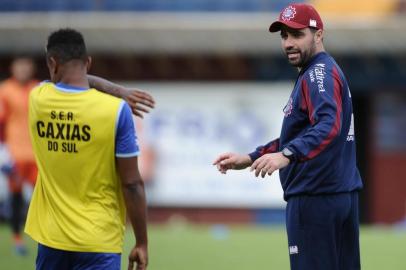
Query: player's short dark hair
[(65, 45)]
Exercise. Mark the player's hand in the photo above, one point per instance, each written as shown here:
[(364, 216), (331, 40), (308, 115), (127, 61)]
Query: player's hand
[(269, 163), (139, 101), (139, 257), (232, 161)]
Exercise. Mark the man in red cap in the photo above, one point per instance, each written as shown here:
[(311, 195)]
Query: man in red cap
[(315, 153)]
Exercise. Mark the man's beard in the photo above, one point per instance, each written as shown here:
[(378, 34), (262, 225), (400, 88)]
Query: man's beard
[(303, 58)]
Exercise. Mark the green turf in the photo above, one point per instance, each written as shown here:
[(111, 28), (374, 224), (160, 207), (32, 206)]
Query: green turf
[(184, 247)]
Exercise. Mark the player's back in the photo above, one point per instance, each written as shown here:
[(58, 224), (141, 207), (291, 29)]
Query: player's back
[(77, 204)]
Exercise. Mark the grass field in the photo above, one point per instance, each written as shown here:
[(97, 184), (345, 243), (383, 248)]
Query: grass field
[(192, 247)]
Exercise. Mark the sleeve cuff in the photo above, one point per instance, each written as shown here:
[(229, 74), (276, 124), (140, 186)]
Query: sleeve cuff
[(295, 155), (254, 155), (127, 155)]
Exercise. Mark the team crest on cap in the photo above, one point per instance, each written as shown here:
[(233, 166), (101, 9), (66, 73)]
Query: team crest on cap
[(289, 13)]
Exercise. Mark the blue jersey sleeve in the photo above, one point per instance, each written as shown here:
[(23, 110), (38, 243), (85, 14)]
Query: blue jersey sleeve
[(126, 140), (323, 102), (271, 147)]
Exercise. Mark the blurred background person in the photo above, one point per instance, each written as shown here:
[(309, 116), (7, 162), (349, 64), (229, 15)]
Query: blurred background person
[(22, 170)]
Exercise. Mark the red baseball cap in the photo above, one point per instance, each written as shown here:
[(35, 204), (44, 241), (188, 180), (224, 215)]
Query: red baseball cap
[(297, 16)]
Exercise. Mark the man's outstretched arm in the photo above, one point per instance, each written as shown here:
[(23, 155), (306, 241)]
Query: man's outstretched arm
[(139, 101), (232, 161)]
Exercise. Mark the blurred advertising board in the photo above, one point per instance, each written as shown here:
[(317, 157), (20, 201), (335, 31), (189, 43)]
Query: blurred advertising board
[(191, 125)]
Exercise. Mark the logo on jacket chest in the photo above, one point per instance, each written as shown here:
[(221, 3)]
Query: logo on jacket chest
[(318, 74), (289, 107)]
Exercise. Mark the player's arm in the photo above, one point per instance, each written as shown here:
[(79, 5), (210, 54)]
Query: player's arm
[(323, 103), (134, 197), (268, 158), (233, 161), (7, 167), (3, 115), (127, 151), (139, 101)]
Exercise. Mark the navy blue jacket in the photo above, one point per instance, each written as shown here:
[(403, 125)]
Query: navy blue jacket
[(318, 128)]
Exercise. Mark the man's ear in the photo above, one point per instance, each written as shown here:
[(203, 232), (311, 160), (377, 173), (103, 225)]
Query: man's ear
[(52, 64), (319, 36), (88, 63)]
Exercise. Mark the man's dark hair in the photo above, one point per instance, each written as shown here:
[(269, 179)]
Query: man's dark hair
[(65, 45)]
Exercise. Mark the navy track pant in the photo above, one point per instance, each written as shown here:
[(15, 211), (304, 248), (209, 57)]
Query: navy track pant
[(323, 232)]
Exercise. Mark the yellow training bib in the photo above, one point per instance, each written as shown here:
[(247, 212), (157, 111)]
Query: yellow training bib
[(77, 203)]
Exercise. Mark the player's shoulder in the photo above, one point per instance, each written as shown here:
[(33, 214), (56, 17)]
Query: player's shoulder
[(7, 85), (41, 87), (4, 83), (104, 100), (323, 66), (321, 72), (322, 60)]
